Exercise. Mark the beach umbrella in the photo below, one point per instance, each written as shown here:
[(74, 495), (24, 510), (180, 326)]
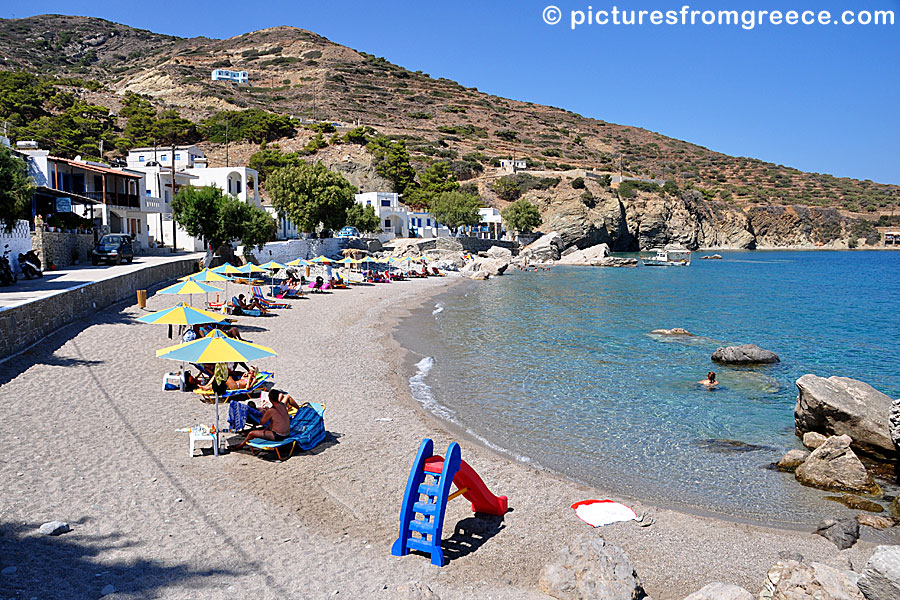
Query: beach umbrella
[(226, 269), (250, 268), (323, 260), (216, 347), (182, 314), (191, 287), (298, 262), (209, 275), (273, 267)]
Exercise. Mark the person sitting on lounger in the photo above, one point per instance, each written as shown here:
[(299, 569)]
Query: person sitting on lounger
[(248, 308), (275, 421), (244, 383)]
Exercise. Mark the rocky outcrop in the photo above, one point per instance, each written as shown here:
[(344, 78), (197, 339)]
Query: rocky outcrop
[(720, 591), (792, 580), (840, 405), (894, 423), (747, 354), (591, 568), (500, 253), (546, 248), (813, 439), (793, 459), (480, 276), (585, 257), (834, 466), (880, 579)]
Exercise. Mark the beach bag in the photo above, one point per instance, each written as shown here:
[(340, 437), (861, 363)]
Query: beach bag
[(308, 426)]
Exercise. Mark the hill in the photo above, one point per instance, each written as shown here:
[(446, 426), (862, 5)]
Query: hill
[(298, 73)]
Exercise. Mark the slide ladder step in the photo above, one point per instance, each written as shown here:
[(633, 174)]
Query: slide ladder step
[(423, 527), (426, 508)]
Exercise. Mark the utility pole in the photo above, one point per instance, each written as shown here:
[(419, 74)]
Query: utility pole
[(174, 225), (101, 149)]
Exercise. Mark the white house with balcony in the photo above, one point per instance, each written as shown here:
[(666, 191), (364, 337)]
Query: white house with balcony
[(191, 168), (394, 217), (423, 225), (229, 75)]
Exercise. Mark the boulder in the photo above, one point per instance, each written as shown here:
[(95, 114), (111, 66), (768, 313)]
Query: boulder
[(108, 590), (720, 591), (615, 261), (544, 249), (673, 331), (834, 466), (880, 579), (840, 405), (813, 439), (843, 533), (747, 354), (55, 528), (491, 266), (590, 568), (875, 521), (895, 507), (480, 276), (791, 580), (792, 460), (585, 257), (500, 252), (712, 257), (857, 503)]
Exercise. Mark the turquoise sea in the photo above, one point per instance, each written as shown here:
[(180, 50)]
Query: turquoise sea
[(559, 369)]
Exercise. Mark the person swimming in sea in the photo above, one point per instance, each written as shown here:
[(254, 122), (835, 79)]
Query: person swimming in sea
[(710, 381)]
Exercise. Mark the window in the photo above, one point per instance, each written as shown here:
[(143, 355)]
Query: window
[(387, 222), (427, 222), (237, 186), (141, 158), (385, 202), (148, 193), (368, 203), (162, 158)]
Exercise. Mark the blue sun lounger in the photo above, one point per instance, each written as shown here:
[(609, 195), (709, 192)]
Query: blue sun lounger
[(307, 432)]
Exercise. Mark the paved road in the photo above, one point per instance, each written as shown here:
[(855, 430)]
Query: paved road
[(75, 276)]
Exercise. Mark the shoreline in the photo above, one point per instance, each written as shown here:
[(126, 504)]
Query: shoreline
[(113, 466)]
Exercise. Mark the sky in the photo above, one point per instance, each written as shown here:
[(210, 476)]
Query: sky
[(821, 98)]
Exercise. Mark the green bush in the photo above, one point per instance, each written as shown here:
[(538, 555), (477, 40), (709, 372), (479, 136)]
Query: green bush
[(578, 183)]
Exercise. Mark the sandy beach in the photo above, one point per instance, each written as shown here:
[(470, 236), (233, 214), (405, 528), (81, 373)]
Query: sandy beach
[(91, 440)]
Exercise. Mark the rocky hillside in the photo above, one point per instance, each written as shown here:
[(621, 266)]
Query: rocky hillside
[(735, 201)]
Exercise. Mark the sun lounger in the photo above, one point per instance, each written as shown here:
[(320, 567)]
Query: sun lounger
[(307, 432), (267, 304), (261, 378)]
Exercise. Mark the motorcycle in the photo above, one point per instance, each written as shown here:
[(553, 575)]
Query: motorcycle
[(30, 265), (7, 277)]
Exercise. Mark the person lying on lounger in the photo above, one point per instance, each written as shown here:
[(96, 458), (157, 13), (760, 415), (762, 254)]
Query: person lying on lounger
[(243, 383), (247, 307), (275, 421)]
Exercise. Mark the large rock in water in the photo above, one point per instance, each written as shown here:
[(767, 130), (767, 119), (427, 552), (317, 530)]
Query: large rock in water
[(834, 466), (880, 579), (585, 257), (839, 406), (591, 568), (720, 591), (747, 354), (544, 249), (791, 580)]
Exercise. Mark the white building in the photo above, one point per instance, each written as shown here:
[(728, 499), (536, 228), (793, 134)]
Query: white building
[(190, 169), (424, 225), (285, 229), (508, 164), (228, 75), (394, 217), (490, 227)]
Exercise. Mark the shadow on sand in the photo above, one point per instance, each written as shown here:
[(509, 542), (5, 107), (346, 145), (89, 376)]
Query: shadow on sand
[(74, 566)]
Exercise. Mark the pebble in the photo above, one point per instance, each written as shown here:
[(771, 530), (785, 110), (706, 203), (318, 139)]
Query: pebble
[(8, 571), (107, 590), (178, 499), (55, 528)]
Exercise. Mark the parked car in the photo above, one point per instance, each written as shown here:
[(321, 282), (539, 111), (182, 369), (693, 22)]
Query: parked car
[(115, 248), (348, 232)]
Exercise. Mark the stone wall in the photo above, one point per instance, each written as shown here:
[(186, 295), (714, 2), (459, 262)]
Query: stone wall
[(288, 250), (19, 241), (474, 245), (55, 247), (24, 324)]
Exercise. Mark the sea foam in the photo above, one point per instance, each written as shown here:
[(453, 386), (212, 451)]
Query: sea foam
[(438, 308)]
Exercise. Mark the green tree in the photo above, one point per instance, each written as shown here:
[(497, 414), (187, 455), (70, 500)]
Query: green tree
[(197, 210), (15, 188), (506, 188), (207, 213), (358, 135), (455, 209), (392, 162), (364, 219), (254, 125), (433, 181), (311, 196), (670, 188), (172, 128), (522, 216)]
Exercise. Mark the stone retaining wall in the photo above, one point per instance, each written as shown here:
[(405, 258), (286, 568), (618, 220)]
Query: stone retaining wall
[(474, 245), (24, 324), (55, 247)]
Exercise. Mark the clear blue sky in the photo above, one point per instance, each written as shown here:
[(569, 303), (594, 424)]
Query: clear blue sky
[(819, 98)]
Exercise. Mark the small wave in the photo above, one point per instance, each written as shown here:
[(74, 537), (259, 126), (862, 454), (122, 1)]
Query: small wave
[(518, 457), (421, 391), (438, 308)]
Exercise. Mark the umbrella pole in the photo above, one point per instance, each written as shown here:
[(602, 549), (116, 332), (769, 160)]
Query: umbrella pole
[(216, 440)]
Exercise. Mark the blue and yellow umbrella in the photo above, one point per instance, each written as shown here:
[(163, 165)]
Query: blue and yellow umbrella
[(182, 314)]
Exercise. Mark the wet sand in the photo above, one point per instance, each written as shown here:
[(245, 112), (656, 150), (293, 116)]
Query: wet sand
[(92, 441)]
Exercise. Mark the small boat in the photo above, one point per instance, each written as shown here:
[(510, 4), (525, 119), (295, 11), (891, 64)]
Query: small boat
[(669, 257)]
